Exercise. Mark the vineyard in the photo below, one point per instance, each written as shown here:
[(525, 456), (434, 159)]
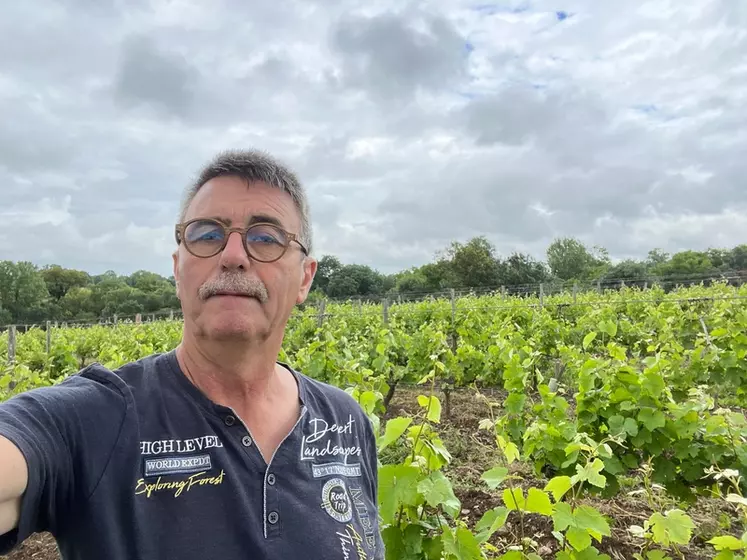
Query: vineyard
[(569, 427)]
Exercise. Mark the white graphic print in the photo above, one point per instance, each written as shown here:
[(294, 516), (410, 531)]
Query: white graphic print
[(336, 501), (319, 442), (335, 469), (360, 507), (163, 446), (177, 465)]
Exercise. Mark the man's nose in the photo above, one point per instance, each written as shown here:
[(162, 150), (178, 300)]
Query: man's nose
[(233, 254)]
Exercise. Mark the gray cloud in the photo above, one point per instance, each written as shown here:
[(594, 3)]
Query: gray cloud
[(393, 57), (621, 124), (155, 78)]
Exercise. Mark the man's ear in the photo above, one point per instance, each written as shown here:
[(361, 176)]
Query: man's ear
[(308, 271), (175, 262)]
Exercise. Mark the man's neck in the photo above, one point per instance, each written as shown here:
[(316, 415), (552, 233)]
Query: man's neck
[(235, 377)]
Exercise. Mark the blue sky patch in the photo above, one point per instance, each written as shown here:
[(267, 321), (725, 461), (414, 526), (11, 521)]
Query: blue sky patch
[(492, 9)]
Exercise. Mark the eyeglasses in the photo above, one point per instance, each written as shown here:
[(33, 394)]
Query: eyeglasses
[(263, 242)]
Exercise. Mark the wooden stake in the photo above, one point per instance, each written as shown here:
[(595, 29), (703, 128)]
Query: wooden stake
[(453, 308), (12, 344)]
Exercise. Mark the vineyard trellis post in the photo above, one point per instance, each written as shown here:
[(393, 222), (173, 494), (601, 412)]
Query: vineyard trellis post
[(322, 308), (115, 319), (49, 337), (11, 344), (448, 379), (138, 319), (575, 291), (385, 311), (542, 295), (453, 308)]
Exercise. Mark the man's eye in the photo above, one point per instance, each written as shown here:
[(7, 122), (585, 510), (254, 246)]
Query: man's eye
[(262, 238)]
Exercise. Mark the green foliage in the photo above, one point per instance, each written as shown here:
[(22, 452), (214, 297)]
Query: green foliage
[(728, 482), (669, 529), (592, 394), (419, 511), (569, 259), (353, 280)]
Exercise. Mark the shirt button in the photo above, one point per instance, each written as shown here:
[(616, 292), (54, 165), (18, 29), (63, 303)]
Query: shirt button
[(247, 441), (273, 517), (229, 420), (271, 479)]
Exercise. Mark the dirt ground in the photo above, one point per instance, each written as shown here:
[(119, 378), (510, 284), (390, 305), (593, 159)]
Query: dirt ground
[(473, 453)]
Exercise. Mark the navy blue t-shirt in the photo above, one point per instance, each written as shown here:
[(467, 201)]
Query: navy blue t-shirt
[(137, 463)]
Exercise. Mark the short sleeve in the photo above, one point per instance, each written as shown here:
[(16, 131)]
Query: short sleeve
[(66, 433)]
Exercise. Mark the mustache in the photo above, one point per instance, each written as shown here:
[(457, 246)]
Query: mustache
[(236, 284)]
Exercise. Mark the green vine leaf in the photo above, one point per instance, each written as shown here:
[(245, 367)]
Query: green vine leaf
[(437, 490), (588, 339), (394, 429), (461, 545), (434, 410), (494, 477), (398, 486), (490, 522), (538, 502), (674, 527), (514, 499), (558, 486), (727, 542), (591, 473)]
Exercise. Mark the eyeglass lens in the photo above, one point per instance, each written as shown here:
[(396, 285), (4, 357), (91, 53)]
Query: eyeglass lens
[(206, 238)]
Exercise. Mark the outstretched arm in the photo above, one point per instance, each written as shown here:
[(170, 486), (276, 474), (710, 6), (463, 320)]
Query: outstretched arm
[(55, 444), (13, 481)]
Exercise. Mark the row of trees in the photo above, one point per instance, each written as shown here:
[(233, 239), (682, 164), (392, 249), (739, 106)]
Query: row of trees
[(29, 294), (476, 264)]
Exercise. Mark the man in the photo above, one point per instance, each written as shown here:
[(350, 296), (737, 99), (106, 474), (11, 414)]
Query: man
[(215, 450)]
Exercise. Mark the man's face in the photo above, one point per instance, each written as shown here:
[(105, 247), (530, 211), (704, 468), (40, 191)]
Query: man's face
[(284, 282)]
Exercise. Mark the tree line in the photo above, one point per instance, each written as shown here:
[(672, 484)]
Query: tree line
[(30, 294), (475, 264)]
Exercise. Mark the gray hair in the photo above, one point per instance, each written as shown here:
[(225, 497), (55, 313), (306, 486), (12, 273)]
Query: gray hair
[(254, 166)]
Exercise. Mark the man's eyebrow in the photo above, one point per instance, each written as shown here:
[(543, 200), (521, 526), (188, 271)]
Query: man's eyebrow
[(256, 219), (266, 219)]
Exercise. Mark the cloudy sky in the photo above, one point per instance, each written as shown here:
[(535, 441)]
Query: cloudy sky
[(412, 124)]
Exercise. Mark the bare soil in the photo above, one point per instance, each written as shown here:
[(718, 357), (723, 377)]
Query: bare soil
[(474, 452), (37, 547)]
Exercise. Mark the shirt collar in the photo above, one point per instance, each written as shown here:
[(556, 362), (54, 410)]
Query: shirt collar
[(195, 393)]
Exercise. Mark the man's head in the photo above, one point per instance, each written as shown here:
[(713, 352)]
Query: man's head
[(238, 284)]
